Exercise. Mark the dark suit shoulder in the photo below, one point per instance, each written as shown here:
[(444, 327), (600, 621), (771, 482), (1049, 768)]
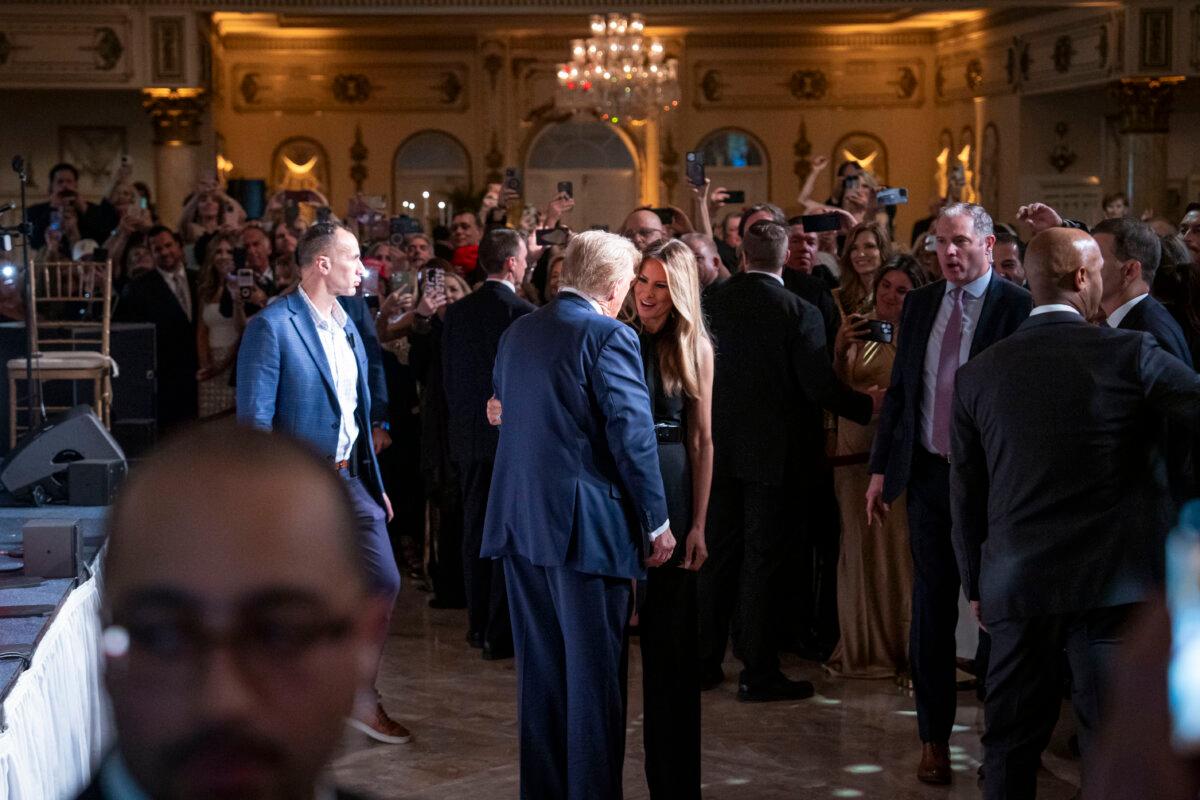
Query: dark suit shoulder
[(1010, 292)]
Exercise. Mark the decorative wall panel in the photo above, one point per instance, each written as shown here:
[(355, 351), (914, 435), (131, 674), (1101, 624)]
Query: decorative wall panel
[(54, 50), (311, 84), (780, 83)]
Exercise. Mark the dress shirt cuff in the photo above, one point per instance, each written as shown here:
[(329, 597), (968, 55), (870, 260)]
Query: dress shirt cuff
[(660, 530)]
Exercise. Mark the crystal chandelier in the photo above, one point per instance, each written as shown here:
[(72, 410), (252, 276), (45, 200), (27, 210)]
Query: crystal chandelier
[(618, 73)]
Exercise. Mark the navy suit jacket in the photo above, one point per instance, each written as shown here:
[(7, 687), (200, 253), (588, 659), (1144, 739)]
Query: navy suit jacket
[(284, 383), (576, 480), (471, 335), (1152, 317), (1058, 475), (1005, 307)]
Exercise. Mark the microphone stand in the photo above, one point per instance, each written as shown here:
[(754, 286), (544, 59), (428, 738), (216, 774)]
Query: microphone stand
[(37, 410)]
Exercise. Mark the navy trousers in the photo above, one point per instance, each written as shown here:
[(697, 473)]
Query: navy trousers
[(568, 632), (372, 537)]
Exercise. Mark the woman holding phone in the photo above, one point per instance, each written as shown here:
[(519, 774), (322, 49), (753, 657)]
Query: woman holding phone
[(874, 573)]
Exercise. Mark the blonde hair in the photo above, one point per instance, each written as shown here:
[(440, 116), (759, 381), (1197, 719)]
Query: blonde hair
[(679, 350), (596, 261)]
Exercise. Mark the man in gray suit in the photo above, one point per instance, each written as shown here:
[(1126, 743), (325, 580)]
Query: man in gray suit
[(1059, 500)]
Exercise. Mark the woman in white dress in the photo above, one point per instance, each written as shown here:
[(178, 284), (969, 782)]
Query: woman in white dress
[(219, 330)]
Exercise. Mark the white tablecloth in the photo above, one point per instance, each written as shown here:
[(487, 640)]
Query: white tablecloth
[(57, 717)]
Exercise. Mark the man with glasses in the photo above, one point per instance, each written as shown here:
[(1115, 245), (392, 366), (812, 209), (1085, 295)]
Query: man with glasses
[(238, 633), (644, 229)]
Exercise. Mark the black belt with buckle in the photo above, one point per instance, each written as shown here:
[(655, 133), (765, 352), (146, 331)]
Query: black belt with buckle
[(668, 432)]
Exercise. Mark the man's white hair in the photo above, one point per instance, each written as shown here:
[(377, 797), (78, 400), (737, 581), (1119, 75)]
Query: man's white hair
[(597, 260)]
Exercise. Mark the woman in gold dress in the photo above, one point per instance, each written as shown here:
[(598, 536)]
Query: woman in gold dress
[(874, 577)]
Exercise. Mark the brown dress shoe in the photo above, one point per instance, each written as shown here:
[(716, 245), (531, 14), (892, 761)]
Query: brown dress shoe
[(380, 727), (935, 764)]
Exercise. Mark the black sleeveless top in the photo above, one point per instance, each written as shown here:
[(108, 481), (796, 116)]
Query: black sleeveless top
[(672, 456)]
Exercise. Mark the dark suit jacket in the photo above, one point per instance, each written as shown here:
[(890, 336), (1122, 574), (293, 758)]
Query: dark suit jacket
[(285, 384), (576, 481), (1152, 317), (148, 298), (816, 291), (96, 222), (470, 337), (1058, 481), (773, 376), (1005, 307)]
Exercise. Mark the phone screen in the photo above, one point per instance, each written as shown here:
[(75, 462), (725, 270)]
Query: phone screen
[(1183, 600)]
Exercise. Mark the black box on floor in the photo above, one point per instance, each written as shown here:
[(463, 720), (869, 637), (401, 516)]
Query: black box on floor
[(93, 482)]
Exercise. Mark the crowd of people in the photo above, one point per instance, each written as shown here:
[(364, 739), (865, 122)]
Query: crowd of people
[(786, 449)]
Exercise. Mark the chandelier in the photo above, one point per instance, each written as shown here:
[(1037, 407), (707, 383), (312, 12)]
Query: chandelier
[(618, 73)]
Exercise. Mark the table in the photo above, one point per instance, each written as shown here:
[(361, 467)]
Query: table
[(54, 719)]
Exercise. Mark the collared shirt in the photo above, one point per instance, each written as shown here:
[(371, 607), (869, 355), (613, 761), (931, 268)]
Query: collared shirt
[(504, 282), (177, 283), (116, 782), (344, 366), (661, 529), (764, 272), (1114, 319), (1054, 308), (972, 306)]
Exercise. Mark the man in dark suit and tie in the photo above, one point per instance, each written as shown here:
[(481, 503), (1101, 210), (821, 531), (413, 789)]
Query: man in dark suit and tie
[(773, 376), (470, 337), (945, 324), (303, 370), (166, 296), (1060, 502), (577, 509)]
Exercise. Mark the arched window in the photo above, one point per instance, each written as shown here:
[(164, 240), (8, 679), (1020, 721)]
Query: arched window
[(300, 163), (429, 161), (599, 162), (737, 160)]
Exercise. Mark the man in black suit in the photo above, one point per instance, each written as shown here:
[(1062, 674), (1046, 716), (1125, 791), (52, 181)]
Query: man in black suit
[(1131, 252), (237, 636), (772, 377), (945, 324), (470, 336), (96, 221), (166, 296), (1060, 502)]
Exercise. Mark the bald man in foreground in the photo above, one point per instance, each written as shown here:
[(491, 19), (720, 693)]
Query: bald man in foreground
[(1059, 501), (239, 625)]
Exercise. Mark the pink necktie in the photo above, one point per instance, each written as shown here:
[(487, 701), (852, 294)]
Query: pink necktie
[(943, 404)]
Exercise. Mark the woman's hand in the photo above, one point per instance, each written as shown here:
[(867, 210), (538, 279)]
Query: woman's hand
[(696, 552), (430, 304), (819, 163), (852, 331), (494, 410)]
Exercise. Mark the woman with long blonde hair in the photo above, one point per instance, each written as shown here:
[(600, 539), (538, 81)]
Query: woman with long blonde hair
[(677, 356)]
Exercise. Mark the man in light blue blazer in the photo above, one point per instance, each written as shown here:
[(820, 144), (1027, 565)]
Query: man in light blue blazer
[(303, 370), (576, 510)]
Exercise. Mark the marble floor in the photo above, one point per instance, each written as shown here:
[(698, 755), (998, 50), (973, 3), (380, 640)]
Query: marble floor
[(853, 739)]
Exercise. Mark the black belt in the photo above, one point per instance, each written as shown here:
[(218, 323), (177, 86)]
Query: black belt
[(668, 432)]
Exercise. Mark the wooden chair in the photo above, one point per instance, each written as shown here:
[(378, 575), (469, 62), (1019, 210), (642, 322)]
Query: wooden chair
[(68, 287)]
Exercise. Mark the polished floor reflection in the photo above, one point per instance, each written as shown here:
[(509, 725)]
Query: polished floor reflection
[(854, 739)]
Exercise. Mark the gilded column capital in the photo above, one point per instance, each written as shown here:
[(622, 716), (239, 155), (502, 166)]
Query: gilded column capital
[(175, 113), (1145, 103)]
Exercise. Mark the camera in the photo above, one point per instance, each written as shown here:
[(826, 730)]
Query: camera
[(879, 331), (245, 282), (736, 196), (819, 223), (399, 228), (891, 197), (665, 215), (512, 180), (695, 168), (8, 274), (851, 182), (565, 187), (553, 237)]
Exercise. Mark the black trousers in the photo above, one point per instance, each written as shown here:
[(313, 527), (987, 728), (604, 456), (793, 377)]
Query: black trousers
[(671, 684), (446, 563), (936, 588), (746, 543), (487, 602), (1024, 685)]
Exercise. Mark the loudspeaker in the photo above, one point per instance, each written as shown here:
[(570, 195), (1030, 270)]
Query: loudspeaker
[(52, 547), (36, 468), (93, 482)]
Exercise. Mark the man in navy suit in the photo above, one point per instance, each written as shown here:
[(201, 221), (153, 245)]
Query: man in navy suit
[(577, 509), (303, 370), (945, 324), (470, 336)]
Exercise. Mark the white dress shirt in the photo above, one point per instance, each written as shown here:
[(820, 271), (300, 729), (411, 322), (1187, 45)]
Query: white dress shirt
[(661, 529), (972, 306), (344, 366), (504, 282), (1053, 308), (1114, 319), (764, 272)]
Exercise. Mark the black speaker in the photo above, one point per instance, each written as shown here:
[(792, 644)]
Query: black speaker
[(93, 482), (36, 468)]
